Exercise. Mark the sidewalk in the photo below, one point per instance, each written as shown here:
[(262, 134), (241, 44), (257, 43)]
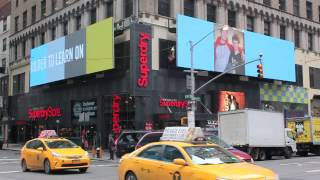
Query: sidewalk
[(105, 154)]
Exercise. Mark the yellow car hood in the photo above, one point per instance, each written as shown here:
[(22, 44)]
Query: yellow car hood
[(238, 171), (69, 151)]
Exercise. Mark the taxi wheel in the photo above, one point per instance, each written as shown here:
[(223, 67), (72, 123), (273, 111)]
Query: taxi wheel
[(131, 176), (24, 166), (83, 170), (47, 168)]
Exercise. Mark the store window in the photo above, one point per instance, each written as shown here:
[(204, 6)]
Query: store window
[(211, 13), (309, 9), (283, 32), (167, 57), (164, 7), (189, 8), (299, 75), (232, 18), (314, 77), (18, 83), (122, 55), (250, 23), (128, 8)]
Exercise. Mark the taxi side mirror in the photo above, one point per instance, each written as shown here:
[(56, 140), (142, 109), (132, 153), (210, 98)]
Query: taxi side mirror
[(180, 162), (40, 149)]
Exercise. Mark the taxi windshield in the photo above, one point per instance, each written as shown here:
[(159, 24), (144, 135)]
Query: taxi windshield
[(209, 155), (60, 144)]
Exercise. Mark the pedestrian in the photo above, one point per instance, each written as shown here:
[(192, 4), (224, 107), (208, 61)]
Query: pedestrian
[(111, 146)]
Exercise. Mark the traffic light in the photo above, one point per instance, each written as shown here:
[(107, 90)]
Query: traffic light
[(184, 121), (260, 71)]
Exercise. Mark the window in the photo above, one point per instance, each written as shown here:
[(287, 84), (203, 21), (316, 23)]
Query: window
[(189, 8), (154, 152), (65, 28), (164, 7), (53, 33), (314, 77), (65, 3), (24, 19), (16, 23), (78, 22), (43, 8), (4, 24), (122, 55), (267, 28), (282, 5), (171, 153), (93, 16), (18, 83), (319, 12), (109, 9), (42, 38), (310, 41), (250, 23), (267, 2), (128, 8), (53, 5), (33, 14), (211, 13), (309, 9), (23, 50), (299, 77), (297, 38), (4, 44), (282, 32), (296, 7), (4, 62), (167, 57), (231, 18), (16, 52), (17, 3), (32, 42)]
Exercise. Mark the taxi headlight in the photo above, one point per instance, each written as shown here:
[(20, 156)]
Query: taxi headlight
[(276, 177), (56, 155), (218, 178), (86, 154)]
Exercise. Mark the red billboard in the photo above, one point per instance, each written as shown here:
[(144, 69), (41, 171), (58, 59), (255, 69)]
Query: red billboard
[(229, 101)]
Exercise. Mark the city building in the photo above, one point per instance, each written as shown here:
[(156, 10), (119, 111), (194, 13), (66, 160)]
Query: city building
[(104, 102), (5, 11)]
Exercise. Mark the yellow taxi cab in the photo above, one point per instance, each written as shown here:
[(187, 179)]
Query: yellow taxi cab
[(185, 160), (53, 153)]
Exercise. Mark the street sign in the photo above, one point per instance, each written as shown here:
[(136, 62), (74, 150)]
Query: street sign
[(188, 96)]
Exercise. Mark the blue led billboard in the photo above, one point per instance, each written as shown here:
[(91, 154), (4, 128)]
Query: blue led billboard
[(223, 47)]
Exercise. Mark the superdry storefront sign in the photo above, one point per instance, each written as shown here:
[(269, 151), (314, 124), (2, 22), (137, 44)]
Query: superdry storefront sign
[(141, 59), (44, 113), (116, 115), (173, 103)]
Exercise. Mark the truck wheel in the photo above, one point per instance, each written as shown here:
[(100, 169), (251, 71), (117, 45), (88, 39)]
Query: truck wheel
[(262, 155), (255, 154), (287, 153)]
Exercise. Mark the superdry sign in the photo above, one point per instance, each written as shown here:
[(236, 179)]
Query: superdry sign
[(44, 113), (116, 115), (143, 80), (141, 59), (173, 103)]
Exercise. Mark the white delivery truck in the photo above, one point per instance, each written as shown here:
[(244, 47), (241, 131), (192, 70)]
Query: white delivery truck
[(262, 134)]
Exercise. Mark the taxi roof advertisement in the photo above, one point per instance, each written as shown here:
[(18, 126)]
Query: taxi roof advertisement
[(222, 47), (86, 51)]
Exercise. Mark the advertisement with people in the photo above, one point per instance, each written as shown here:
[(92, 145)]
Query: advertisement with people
[(230, 101), (222, 48)]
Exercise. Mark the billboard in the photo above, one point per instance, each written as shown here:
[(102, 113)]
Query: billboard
[(86, 51), (219, 48), (229, 101)]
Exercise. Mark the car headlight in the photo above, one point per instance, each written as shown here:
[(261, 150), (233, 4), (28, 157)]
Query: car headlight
[(86, 153), (54, 154), (273, 178), (218, 178)]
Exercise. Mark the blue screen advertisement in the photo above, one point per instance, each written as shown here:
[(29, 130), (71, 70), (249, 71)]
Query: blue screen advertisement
[(219, 48)]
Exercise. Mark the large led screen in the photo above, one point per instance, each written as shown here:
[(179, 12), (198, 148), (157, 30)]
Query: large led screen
[(86, 51), (220, 48)]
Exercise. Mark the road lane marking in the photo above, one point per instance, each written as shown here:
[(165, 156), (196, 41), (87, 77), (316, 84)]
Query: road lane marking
[(312, 162), (288, 164), (9, 159), (9, 172), (313, 171), (104, 165)]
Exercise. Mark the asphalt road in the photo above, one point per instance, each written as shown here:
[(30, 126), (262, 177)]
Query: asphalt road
[(297, 168)]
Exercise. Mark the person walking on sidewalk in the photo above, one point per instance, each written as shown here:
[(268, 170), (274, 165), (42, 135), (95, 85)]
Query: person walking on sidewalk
[(112, 146)]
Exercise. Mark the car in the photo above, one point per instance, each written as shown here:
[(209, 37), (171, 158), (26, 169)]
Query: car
[(240, 154), (167, 160), (149, 138), (53, 153), (127, 141)]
